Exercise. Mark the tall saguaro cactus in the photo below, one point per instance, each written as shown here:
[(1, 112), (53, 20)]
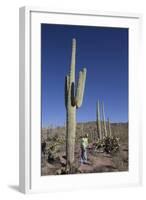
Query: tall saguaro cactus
[(73, 100), (98, 121), (109, 128), (104, 122)]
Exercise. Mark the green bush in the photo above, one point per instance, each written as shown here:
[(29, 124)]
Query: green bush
[(55, 138), (99, 144), (109, 144)]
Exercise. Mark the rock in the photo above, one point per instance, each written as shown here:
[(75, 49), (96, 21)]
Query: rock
[(58, 172), (62, 161), (60, 158), (63, 170), (124, 147), (107, 155)]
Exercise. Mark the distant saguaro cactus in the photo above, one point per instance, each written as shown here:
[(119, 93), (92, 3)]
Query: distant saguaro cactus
[(98, 121), (104, 122), (82, 129), (109, 128), (73, 100)]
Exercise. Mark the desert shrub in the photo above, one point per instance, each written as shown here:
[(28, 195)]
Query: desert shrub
[(99, 144), (54, 147), (51, 157), (61, 140), (111, 144), (108, 144), (55, 138), (51, 153), (49, 138), (58, 140)]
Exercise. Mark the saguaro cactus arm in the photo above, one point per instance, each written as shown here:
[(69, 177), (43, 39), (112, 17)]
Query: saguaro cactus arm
[(72, 73), (73, 61), (80, 88), (66, 89)]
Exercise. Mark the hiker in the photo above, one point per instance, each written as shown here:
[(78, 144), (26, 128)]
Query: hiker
[(84, 145)]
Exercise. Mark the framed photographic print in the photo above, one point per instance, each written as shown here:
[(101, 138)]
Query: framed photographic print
[(79, 100)]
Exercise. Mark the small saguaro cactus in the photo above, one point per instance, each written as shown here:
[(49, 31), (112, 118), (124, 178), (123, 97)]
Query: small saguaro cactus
[(73, 100), (98, 121), (104, 122)]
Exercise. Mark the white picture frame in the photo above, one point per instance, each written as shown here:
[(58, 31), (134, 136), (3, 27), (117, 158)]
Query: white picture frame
[(29, 160)]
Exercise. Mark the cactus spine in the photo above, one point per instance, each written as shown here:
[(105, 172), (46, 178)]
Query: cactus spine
[(98, 122), (104, 122), (73, 100)]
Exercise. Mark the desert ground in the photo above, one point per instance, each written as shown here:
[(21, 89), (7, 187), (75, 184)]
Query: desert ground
[(53, 150)]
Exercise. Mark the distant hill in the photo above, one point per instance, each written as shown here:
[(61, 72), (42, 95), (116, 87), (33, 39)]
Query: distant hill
[(118, 129)]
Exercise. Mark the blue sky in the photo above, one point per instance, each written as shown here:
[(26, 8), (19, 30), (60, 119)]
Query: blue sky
[(104, 52)]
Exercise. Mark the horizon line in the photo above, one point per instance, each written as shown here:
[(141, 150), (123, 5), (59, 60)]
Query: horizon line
[(63, 125)]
